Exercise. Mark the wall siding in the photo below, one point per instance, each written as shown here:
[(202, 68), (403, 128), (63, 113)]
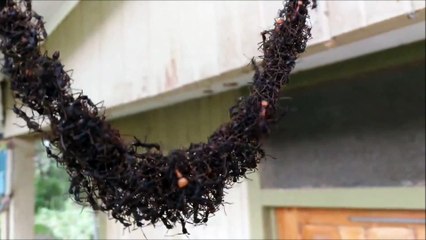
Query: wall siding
[(127, 50)]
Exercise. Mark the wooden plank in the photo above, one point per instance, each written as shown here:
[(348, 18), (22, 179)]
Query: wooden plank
[(320, 232), (420, 232), (287, 221), (297, 223), (384, 233), (343, 216), (352, 232)]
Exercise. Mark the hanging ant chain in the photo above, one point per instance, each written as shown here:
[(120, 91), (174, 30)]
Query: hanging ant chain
[(135, 182)]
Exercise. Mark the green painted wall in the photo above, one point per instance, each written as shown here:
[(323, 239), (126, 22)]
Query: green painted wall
[(346, 69), (178, 125)]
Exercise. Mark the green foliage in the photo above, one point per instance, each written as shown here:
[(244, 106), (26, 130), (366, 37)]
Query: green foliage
[(57, 216), (51, 183), (43, 230), (49, 194), (70, 223)]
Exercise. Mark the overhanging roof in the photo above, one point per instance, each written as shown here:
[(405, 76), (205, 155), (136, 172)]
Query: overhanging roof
[(54, 12), (332, 53)]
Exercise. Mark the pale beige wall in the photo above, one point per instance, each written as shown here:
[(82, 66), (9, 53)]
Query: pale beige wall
[(20, 213), (127, 50)]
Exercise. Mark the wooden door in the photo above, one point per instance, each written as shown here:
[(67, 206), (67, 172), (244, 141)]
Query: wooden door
[(304, 223)]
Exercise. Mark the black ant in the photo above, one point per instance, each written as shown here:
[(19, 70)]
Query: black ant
[(30, 123), (138, 143)]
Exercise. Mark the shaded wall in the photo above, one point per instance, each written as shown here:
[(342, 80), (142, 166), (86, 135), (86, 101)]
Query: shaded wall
[(365, 129)]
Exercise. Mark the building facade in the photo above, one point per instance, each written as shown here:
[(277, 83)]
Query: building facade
[(350, 147)]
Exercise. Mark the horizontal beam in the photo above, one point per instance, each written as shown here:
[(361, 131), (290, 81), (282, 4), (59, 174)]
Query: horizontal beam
[(365, 198), (241, 77)]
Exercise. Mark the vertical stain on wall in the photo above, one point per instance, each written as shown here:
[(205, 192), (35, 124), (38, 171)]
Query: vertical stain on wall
[(171, 75)]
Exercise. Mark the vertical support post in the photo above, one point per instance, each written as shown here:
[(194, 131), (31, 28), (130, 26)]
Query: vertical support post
[(4, 234), (102, 221), (257, 213), (21, 209)]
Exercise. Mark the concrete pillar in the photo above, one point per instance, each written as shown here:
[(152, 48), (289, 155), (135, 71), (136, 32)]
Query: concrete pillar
[(21, 209)]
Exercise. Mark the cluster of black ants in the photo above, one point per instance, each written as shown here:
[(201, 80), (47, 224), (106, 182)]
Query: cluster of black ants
[(135, 182)]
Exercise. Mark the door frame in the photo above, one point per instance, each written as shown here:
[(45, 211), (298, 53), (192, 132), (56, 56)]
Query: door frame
[(263, 201)]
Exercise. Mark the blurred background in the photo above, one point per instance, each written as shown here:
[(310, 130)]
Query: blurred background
[(346, 162)]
